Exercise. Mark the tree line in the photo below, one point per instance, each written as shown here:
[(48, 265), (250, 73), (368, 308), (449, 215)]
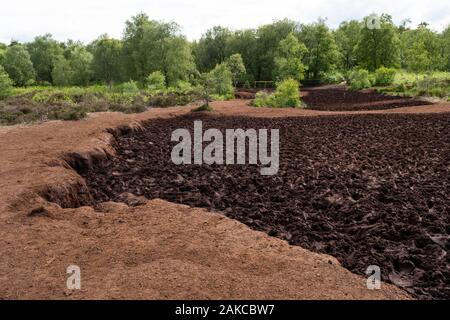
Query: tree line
[(272, 52)]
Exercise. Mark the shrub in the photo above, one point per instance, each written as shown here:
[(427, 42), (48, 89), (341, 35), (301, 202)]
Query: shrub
[(5, 84), (385, 76), (156, 81), (130, 87), (332, 77), (359, 79), (262, 99), (181, 87), (287, 94)]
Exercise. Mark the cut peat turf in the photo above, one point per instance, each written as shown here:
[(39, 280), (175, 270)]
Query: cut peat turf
[(339, 98), (366, 189)]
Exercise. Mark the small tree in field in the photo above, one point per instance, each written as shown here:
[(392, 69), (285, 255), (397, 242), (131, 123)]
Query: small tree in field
[(236, 66), (204, 91), (220, 81), (216, 84)]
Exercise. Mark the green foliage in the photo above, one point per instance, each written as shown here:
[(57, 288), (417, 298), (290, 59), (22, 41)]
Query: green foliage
[(131, 87), (288, 59), (44, 51), (262, 99), (245, 43), (18, 65), (236, 66), (151, 45), (359, 79), (287, 95), (80, 61), (107, 60), (5, 84), (445, 49), (332, 77), (156, 81), (220, 81), (433, 86), (62, 72), (268, 37), (2, 56), (322, 55), (384, 76), (347, 37), (378, 45), (211, 49), (182, 87)]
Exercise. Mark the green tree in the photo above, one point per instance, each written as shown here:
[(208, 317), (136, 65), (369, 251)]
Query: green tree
[(245, 43), (5, 83), (18, 65), (379, 44), (323, 54), (43, 52), (269, 36), (176, 60), (107, 59), (2, 55), (236, 66), (288, 59), (220, 81), (445, 49), (80, 60), (347, 37), (211, 49), (151, 45), (62, 73)]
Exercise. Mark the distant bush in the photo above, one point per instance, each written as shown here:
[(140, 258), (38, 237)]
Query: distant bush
[(262, 99), (182, 87), (5, 84), (433, 86), (359, 79), (332, 77), (156, 81), (130, 87), (385, 76), (287, 94)]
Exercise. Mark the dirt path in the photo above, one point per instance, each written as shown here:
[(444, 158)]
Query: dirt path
[(160, 250)]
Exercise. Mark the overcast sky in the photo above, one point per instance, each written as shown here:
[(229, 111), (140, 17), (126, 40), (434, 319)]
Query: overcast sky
[(85, 20)]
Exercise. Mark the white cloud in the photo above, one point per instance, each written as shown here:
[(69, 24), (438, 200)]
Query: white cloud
[(86, 19)]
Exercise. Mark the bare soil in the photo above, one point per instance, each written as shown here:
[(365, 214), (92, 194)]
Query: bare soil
[(158, 250), (339, 98), (366, 189)]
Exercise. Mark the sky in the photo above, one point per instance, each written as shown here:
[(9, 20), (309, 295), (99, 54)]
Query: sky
[(85, 20)]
